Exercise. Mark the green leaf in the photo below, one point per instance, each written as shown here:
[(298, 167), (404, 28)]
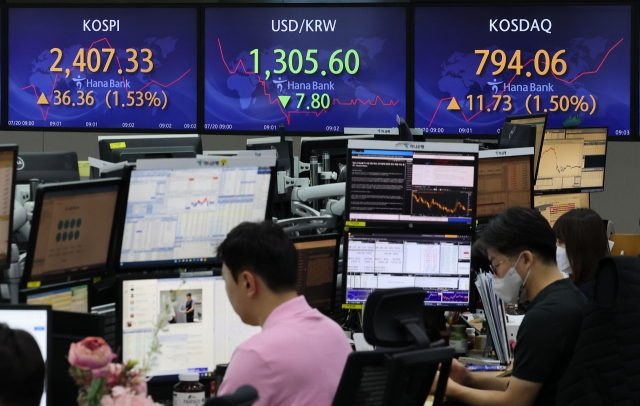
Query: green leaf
[(94, 393)]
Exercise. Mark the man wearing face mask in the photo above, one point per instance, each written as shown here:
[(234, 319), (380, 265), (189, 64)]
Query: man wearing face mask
[(521, 247)]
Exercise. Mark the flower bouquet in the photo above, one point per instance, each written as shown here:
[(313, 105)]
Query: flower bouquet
[(103, 382)]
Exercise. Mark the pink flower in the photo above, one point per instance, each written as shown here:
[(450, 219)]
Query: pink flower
[(139, 384), (115, 374), (125, 397), (93, 354)]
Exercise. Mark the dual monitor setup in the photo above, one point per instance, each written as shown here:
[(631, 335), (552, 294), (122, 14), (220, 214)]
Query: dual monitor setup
[(413, 209), (567, 165)]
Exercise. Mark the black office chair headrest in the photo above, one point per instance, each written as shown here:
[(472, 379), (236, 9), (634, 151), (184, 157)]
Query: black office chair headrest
[(607, 278), (393, 318)]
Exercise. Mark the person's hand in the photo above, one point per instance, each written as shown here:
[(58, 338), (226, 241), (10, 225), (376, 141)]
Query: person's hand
[(459, 373), (434, 385)]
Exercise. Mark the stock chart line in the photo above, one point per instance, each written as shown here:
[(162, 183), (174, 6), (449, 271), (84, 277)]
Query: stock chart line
[(559, 169), (276, 100), (455, 296), (467, 119), (55, 79), (201, 202), (432, 202)]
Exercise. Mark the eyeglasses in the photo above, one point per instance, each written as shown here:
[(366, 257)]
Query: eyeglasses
[(494, 267)]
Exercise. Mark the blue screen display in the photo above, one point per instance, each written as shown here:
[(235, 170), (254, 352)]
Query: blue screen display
[(474, 68), (124, 68), (314, 69)]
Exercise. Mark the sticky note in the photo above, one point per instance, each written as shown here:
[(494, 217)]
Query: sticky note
[(115, 145), (84, 168), (355, 224), (33, 284), (352, 306)]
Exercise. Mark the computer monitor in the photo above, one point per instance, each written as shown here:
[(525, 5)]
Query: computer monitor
[(317, 269), (69, 297), (426, 184), (335, 146), (35, 320), (71, 231), (47, 167), (120, 148), (517, 136), (8, 154), (386, 259), (540, 122), (178, 217), (190, 343), (505, 179), (572, 161), (554, 206), (284, 151)]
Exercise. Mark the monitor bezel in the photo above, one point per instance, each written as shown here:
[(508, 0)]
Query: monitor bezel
[(35, 223), (13, 148), (444, 148), (368, 231), (508, 153), (118, 266), (326, 237), (47, 361), (576, 190), (119, 316)]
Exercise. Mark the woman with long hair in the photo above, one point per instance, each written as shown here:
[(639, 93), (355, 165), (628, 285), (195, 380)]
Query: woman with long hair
[(582, 242)]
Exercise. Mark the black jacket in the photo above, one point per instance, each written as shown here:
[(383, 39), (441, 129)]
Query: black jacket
[(605, 368)]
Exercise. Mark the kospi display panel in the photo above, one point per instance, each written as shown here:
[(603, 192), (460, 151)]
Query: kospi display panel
[(573, 63), (116, 68), (314, 69)]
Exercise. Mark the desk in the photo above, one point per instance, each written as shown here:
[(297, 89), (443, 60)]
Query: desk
[(497, 374)]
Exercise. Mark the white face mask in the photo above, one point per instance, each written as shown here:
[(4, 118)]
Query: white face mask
[(510, 286), (563, 260)]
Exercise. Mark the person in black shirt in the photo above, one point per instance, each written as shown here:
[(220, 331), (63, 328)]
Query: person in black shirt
[(521, 247), (189, 309)]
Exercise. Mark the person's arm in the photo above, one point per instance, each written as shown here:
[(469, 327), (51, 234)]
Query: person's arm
[(518, 392), (477, 380)]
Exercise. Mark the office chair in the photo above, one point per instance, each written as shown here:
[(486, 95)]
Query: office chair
[(401, 374), (604, 366), (245, 396)]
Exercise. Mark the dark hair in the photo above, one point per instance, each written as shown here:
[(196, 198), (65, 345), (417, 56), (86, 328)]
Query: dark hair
[(22, 368), (189, 294), (264, 249), (517, 229), (585, 237)]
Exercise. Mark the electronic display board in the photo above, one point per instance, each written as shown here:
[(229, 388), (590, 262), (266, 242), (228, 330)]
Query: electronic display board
[(313, 69), (103, 68), (474, 68)]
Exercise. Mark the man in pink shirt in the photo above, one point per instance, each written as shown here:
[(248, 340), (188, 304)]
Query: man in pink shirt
[(299, 356)]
